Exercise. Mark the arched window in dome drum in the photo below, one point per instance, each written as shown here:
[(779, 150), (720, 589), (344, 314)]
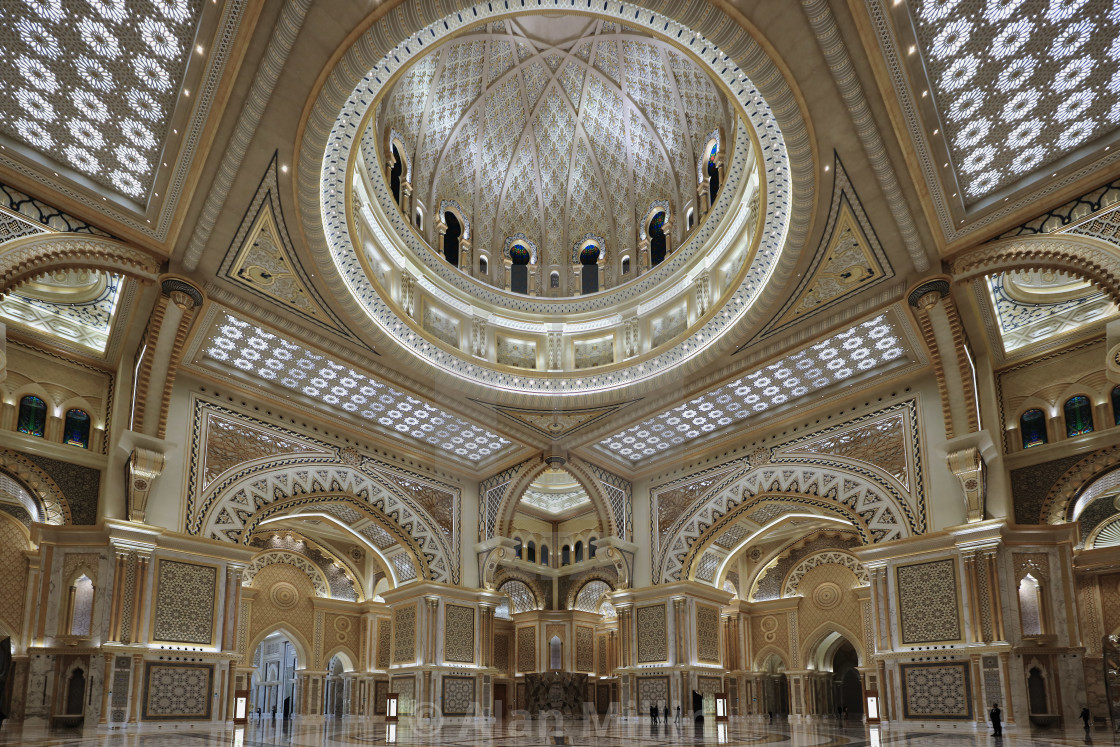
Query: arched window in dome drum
[(32, 416), (565, 556), (519, 271), (554, 280), (1079, 416), (420, 219), (626, 265), (531, 552), (76, 429), (657, 242), (589, 259), (591, 548), (579, 552), (517, 550), (713, 175), (1032, 425), (395, 175), (544, 554), (482, 266), (1116, 404), (451, 238)]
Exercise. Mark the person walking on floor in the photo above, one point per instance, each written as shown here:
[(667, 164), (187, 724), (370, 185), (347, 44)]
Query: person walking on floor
[(1086, 716), (677, 720), (994, 715)]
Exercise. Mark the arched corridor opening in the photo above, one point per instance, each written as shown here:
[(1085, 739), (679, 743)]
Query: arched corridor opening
[(274, 678)]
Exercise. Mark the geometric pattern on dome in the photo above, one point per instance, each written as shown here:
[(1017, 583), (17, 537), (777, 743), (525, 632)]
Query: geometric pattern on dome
[(327, 206), (1021, 323), (273, 360), (93, 84), (43, 305), (857, 350), (1019, 84), (579, 132)]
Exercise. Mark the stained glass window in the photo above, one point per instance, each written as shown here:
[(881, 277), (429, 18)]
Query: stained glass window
[(76, 429), (519, 255), (32, 416), (1079, 416), (1033, 427), (1116, 404), (589, 255)]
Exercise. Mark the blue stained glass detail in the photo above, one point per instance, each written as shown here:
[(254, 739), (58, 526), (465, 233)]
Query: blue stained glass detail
[(1079, 416), (76, 430), (1033, 427), (32, 416)]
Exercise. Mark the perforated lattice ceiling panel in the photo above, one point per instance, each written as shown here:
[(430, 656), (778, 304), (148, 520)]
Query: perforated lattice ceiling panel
[(92, 83), (1019, 84)]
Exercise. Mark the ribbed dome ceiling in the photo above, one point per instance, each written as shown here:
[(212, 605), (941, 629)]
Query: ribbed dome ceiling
[(555, 128)]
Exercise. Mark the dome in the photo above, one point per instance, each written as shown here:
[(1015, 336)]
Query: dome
[(543, 204), (556, 131)]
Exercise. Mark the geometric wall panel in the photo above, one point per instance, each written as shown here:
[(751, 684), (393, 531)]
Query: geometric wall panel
[(384, 643), (652, 691), (404, 634), (936, 691), (585, 649), (707, 634), (652, 634), (526, 649), (458, 634), (458, 695), (927, 602), (177, 691), (184, 602)]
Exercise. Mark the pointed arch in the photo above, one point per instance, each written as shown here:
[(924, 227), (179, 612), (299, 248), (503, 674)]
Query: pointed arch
[(345, 655), (852, 494), (230, 510), (1081, 256), (52, 503), (530, 471), (299, 643), (819, 643), (767, 651), (30, 257)]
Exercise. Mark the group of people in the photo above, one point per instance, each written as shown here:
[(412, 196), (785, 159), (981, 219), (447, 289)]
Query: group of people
[(657, 717), (996, 716)]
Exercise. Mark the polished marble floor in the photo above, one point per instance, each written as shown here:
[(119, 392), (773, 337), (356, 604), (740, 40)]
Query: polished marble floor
[(530, 733)]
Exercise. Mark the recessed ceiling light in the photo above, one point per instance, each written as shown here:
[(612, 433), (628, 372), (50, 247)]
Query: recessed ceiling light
[(186, 92), (826, 168), (946, 164), (284, 168), (198, 49), (925, 93), (913, 49), (936, 131)]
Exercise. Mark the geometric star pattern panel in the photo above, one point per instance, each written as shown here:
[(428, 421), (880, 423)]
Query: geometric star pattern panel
[(458, 695), (936, 691), (269, 358), (1019, 84), (585, 649), (927, 602), (526, 649), (707, 634), (652, 634), (404, 634), (184, 602), (94, 84), (458, 634), (177, 691)]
